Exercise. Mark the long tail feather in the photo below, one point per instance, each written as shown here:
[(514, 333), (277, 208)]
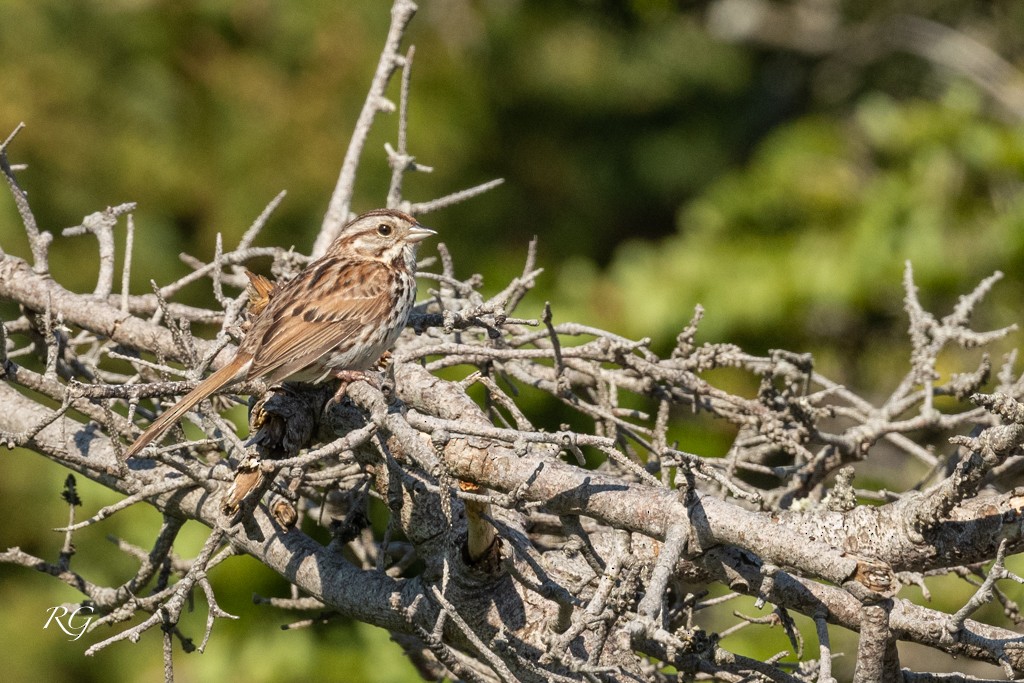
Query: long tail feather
[(226, 375)]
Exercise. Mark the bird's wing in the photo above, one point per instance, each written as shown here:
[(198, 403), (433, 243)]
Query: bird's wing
[(321, 309)]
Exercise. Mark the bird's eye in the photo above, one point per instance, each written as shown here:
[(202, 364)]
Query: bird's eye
[(384, 229)]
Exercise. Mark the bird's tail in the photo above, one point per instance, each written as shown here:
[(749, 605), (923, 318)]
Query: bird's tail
[(226, 375)]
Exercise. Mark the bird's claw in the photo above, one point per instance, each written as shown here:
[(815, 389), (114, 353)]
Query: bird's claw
[(348, 376)]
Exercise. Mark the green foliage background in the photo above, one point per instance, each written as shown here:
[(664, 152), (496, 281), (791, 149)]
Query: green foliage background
[(659, 165)]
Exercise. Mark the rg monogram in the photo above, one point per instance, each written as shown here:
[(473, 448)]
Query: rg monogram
[(68, 620)]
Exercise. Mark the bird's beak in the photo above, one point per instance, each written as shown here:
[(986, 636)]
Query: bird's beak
[(418, 233)]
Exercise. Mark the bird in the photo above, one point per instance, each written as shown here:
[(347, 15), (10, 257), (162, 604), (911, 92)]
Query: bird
[(334, 319)]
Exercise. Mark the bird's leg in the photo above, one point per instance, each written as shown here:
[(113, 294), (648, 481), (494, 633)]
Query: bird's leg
[(371, 377)]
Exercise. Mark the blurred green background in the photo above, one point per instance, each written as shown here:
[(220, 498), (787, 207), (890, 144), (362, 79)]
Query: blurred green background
[(775, 162)]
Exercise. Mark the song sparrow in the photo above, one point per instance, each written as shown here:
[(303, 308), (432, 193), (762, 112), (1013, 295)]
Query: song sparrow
[(336, 316)]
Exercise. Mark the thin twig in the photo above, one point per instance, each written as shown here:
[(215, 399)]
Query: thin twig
[(338, 209)]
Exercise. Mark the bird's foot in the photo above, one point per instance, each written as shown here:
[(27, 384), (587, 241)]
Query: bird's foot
[(348, 376)]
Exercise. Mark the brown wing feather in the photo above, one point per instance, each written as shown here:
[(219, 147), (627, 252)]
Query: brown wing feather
[(293, 332)]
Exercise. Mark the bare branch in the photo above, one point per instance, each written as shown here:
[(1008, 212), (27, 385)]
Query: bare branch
[(39, 242), (101, 224), (337, 214)]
